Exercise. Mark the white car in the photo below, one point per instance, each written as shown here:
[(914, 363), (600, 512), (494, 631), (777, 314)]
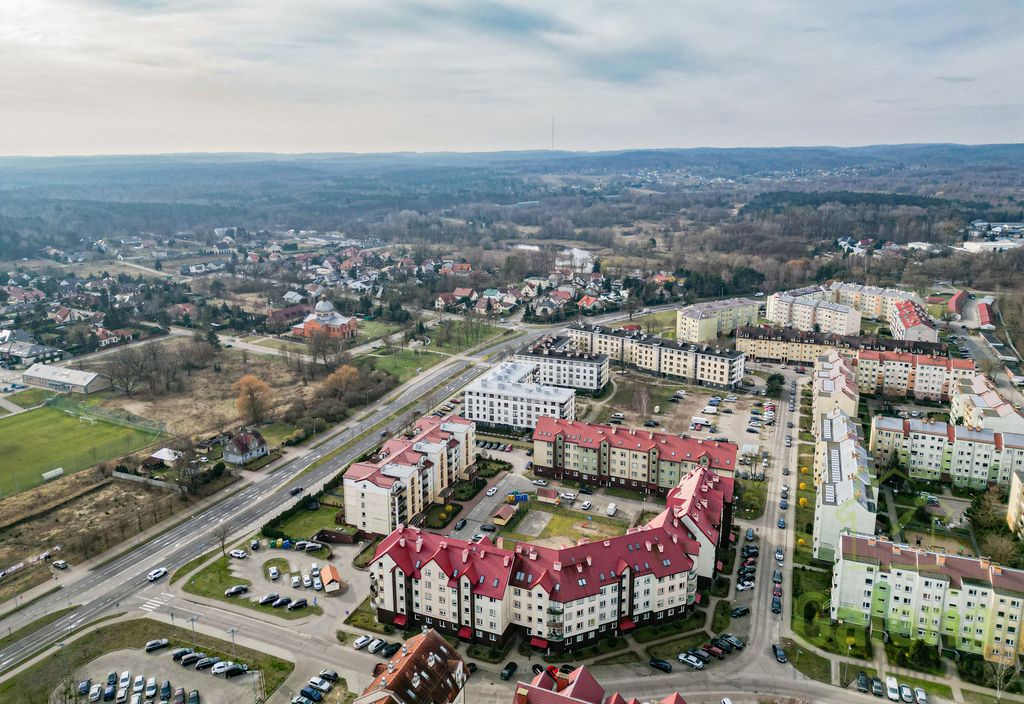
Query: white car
[(586, 505), (140, 683), (492, 491), (540, 482), (151, 687), (274, 573), (126, 680), (920, 696), (296, 581), (361, 642), (744, 586), (568, 496), (375, 645), (306, 581), (320, 683), (240, 554), (317, 584), (314, 570), (220, 667), (95, 693), (156, 574), (691, 660), (892, 689)]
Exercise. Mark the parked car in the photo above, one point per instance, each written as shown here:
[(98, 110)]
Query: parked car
[(274, 573), (538, 482), (744, 586), (390, 649), (375, 645), (488, 527), (658, 664), (736, 642), (508, 671), (776, 605), (207, 663), (492, 491), (96, 692), (586, 490), (782, 523), (191, 659), (892, 689), (876, 687), (361, 642), (920, 696), (268, 599), (700, 654), (239, 554), (586, 506), (460, 524), (779, 653), (777, 576), (740, 611), (320, 684), (283, 601), (780, 556), (863, 683), (906, 694), (297, 604), (126, 680), (750, 534), (691, 660), (236, 590)]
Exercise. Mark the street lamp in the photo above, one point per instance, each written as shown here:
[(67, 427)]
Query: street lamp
[(192, 622), (233, 630)]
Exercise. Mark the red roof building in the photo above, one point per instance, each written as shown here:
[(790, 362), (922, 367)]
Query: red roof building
[(576, 687), (956, 303), (426, 670), (985, 315)]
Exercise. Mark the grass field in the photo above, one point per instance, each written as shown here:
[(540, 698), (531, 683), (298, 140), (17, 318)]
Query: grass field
[(276, 432), (375, 330), (456, 336), (404, 363), (565, 523), (36, 683), (662, 323), (274, 344), (28, 447), (364, 617), (30, 397), (810, 663), (305, 523), (670, 650)]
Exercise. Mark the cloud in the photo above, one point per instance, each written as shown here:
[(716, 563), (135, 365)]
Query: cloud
[(100, 76)]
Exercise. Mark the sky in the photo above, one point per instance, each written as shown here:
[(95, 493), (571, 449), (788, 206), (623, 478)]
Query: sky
[(168, 76)]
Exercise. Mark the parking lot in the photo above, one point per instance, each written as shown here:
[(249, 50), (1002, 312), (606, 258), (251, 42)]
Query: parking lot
[(212, 688)]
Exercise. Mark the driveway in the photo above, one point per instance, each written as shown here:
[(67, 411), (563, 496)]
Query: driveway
[(483, 510)]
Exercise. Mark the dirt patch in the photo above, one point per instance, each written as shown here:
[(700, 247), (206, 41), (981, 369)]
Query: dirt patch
[(85, 526), (205, 403)]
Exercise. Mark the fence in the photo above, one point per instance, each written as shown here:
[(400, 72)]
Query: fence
[(82, 409), (144, 480)]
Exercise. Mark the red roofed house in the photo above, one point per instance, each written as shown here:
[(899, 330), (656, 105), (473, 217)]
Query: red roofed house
[(985, 315), (576, 687), (244, 447), (464, 292), (505, 513), (445, 301), (909, 321), (589, 304), (956, 303), (461, 269), (426, 670), (483, 593)]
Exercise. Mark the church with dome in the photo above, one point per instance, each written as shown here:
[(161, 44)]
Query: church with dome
[(324, 319)]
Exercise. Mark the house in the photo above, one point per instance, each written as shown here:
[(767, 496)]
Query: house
[(461, 269), (547, 495), (590, 304), (552, 686), (446, 301), (245, 447), (426, 670), (464, 292), (289, 315), (292, 298), (331, 579), (505, 514)]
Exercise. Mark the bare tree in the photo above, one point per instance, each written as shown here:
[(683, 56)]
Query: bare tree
[(126, 369), (221, 533), (999, 675)]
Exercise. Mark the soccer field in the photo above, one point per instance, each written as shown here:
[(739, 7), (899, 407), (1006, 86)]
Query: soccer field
[(37, 441)]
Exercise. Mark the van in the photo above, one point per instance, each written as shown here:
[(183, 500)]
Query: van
[(710, 410), (612, 508), (619, 416)]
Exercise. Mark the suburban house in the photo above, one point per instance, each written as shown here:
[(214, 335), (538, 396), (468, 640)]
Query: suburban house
[(245, 447)]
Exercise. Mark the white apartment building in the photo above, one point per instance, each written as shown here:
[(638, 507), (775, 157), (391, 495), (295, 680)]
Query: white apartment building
[(559, 598), (977, 403), (697, 364), (408, 474), (811, 313), (509, 396), (910, 322), (834, 385), (937, 451), (560, 363), (872, 302), (910, 375), (846, 498), (703, 323), (968, 603)]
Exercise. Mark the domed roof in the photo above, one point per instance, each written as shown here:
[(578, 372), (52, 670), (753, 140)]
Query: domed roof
[(324, 306)]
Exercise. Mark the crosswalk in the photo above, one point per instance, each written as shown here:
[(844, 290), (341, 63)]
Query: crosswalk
[(155, 602)]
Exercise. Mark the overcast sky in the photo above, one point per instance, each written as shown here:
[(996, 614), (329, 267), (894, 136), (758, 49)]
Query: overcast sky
[(147, 76)]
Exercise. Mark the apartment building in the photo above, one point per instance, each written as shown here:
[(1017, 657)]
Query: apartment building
[(553, 686), (871, 301), (560, 363), (846, 500), (919, 376), (409, 473), (938, 451), (608, 455), (813, 314), (510, 397), (559, 598), (786, 345), (704, 323), (1015, 505), (834, 385), (968, 603), (977, 403), (426, 670), (910, 322), (697, 364)]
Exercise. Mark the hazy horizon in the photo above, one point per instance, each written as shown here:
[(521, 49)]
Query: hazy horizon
[(149, 77)]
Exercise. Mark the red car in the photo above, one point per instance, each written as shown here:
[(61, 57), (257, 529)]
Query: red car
[(777, 591)]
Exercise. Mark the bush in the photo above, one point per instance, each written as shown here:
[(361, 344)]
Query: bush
[(388, 628), (339, 517)]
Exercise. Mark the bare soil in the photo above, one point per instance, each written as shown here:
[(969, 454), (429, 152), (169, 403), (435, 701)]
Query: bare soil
[(206, 403)]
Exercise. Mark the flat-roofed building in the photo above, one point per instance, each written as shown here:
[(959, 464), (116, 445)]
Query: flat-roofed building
[(705, 322), (977, 403), (765, 343), (509, 396), (560, 363), (834, 385), (64, 379)]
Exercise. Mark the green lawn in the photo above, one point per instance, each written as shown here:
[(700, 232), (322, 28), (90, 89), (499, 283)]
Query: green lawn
[(752, 499), (37, 682), (30, 397), (662, 323), (565, 523), (29, 448), (403, 363), (933, 688), (364, 617), (456, 336), (213, 579), (722, 617), (668, 627), (811, 592), (810, 663), (670, 650), (304, 524), (299, 347), (275, 433), (375, 329)]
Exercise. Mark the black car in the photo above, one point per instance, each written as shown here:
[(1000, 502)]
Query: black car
[(733, 640), (663, 665), (192, 659), (331, 675), (297, 604), (876, 686), (236, 590), (537, 668), (567, 668), (862, 681), (777, 576), (157, 644), (488, 527), (311, 693), (235, 671), (471, 667), (460, 524), (283, 601), (176, 655), (740, 611), (654, 424), (112, 676), (779, 653), (508, 671), (390, 649), (723, 644), (268, 599), (586, 490), (776, 605), (296, 490), (108, 692), (207, 663)]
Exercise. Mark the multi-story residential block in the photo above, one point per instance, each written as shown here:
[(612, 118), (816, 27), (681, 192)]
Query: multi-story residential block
[(872, 301), (968, 603), (834, 385), (559, 598), (846, 499), (426, 670), (810, 312), (408, 474), (910, 322), (977, 403), (608, 455), (509, 396), (787, 345), (697, 364), (704, 323), (1015, 505), (938, 451), (919, 376), (560, 363)]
